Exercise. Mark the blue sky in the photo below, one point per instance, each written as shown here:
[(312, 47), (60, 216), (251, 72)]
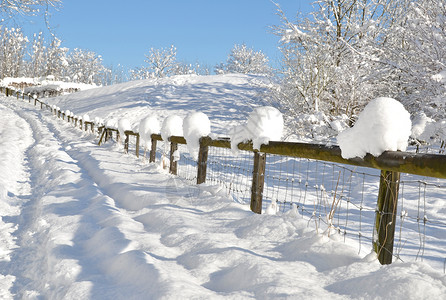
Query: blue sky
[(203, 31)]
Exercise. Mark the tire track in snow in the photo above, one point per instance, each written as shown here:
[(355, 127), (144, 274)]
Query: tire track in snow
[(15, 138), (69, 237), (131, 191), (32, 263)]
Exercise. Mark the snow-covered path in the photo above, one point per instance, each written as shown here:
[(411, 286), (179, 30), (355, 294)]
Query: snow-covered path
[(80, 221)]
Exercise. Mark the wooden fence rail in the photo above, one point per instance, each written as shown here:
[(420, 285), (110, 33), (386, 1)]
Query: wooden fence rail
[(390, 163)]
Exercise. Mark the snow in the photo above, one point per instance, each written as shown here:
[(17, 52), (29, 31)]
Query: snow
[(111, 123), (425, 129), (422, 127), (123, 126), (7, 81), (195, 126), (39, 85), (440, 77), (383, 125), (264, 124), (172, 126), (98, 121), (82, 221), (148, 126), (86, 118)]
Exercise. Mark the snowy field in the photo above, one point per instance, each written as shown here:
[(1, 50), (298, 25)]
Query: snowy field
[(80, 221)]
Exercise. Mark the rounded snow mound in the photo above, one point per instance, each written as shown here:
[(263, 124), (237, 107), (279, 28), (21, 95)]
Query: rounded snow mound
[(172, 125), (264, 124), (148, 126), (195, 126), (383, 125)]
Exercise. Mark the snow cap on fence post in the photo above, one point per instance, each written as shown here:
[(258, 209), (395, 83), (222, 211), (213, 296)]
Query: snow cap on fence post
[(172, 126), (86, 118), (111, 123), (264, 124), (383, 125), (123, 126), (148, 126), (195, 126)]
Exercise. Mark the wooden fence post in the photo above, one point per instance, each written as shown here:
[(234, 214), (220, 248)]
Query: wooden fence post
[(108, 134), (137, 145), (126, 143), (152, 155), (258, 180), (386, 215), (202, 160), (173, 163)]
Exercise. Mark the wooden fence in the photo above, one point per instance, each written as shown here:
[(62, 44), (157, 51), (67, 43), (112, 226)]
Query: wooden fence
[(390, 163)]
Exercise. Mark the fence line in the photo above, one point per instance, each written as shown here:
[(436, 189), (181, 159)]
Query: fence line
[(333, 195)]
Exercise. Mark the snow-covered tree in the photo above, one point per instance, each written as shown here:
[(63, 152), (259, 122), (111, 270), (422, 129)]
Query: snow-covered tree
[(349, 52), (139, 73), (12, 51), (114, 75), (162, 62), (9, 8), (37, 63), (220, 68), (417, 55), (328, 59), (86, 67), (246, 60), (56, 57)]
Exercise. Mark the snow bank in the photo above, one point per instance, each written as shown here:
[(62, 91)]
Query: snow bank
[(148, 126), (195, 126), (264, 124), (7, 81), (172, 125), (383, 125), (225, 99)]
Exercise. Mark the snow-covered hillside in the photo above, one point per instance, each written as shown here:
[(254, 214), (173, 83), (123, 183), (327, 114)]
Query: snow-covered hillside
[(226, 99), (79, 221)]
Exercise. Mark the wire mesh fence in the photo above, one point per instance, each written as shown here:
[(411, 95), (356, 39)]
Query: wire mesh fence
[(336, 198)]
